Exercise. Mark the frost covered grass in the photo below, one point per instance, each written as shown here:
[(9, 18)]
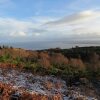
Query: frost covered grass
[(34, 84)]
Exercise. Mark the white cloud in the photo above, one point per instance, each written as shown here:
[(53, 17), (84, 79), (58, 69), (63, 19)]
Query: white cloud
[(80, 25), (13, 27), (77, 17), (21, 34), (20, 30), (83, 23)]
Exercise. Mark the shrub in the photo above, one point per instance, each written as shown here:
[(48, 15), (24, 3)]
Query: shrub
[(44, 60), (5, 58), (53, 70), (58, 60)]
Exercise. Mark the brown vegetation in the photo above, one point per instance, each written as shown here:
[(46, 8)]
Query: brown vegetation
[(77, 63), (54, 61), (7, 92), (58, 59)]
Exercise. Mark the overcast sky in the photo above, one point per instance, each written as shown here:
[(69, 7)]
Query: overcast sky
[(49, 20)]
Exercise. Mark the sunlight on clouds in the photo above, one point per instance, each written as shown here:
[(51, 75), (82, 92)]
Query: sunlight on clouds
[(17, 34), (85, 23), (76, 18), (88, 13)]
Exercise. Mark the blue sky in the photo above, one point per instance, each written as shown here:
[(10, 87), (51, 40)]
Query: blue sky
[(53, 8), (49, 20)]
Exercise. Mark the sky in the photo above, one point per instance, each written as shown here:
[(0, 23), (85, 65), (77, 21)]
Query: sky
[(49, 20)]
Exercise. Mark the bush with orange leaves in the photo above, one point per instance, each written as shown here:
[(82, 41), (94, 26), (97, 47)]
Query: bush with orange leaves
[(77, 63), (44, 60), (59, 59)]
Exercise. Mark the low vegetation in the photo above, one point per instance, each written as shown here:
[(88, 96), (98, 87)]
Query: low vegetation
[(66, 63)]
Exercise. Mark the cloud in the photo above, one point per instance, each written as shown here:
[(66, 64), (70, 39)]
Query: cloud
[(22, 30), (82, 25), (21, 34), (85, 23), (77, 17), (13, 27)]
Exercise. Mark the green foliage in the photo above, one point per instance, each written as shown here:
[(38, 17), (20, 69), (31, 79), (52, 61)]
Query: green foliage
[(34, 67), (68, 71), (5, 58), (18, 59), (53, 70)]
